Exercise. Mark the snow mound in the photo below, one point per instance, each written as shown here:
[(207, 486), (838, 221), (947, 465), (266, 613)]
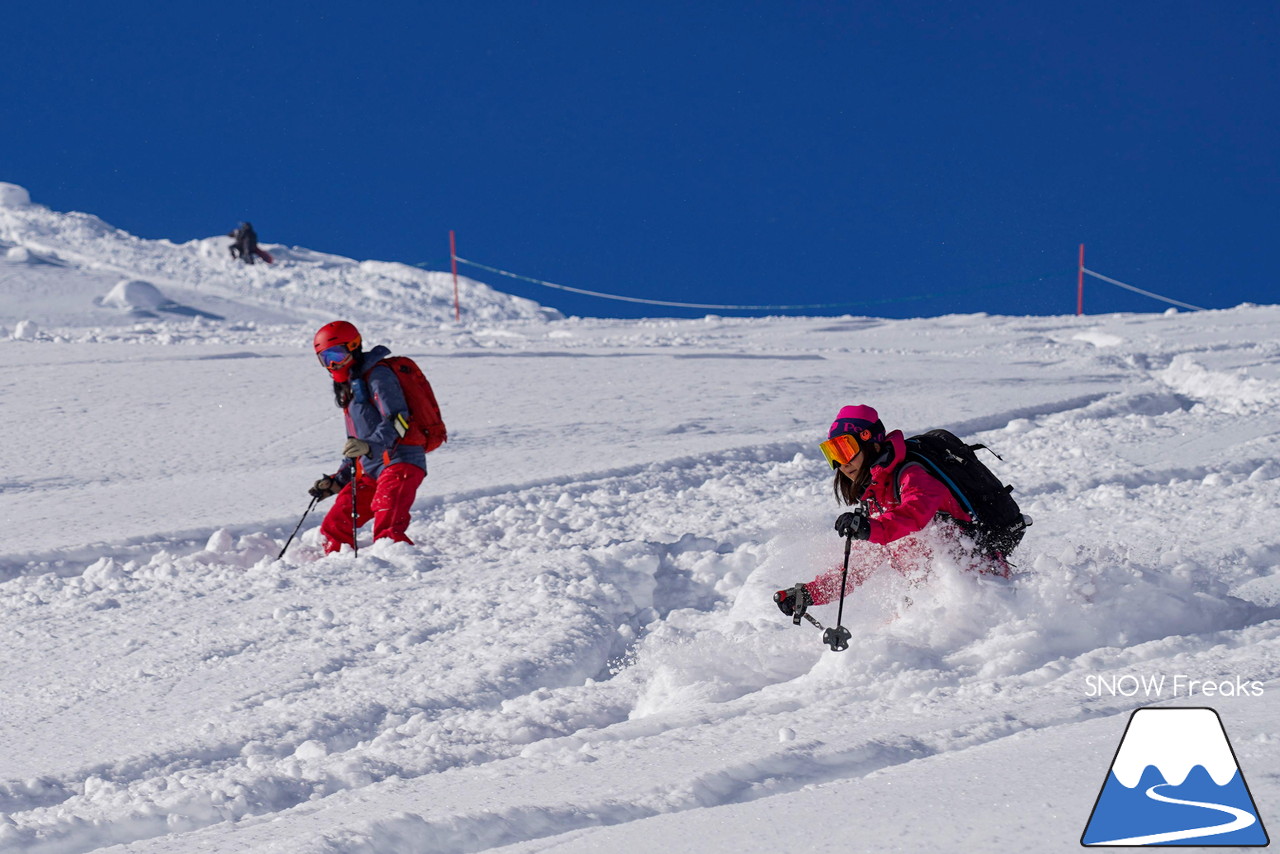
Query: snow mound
[(79, 249), (1233, 392), (1098, 339), (135, 294), (13, 196), (17, 255)]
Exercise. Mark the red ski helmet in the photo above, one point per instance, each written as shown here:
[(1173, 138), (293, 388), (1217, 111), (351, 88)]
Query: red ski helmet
[(337, 344)]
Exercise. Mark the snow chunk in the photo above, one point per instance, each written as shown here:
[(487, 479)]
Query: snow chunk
[(311, 749), (1269, 470), (221, 541), (104, 572), (17, 255), (26, 330), (13, 196), (1263, 591), (135, 294), (1098, 338)]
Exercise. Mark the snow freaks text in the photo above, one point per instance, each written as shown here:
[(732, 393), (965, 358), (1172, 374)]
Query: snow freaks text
[(1171, 687)]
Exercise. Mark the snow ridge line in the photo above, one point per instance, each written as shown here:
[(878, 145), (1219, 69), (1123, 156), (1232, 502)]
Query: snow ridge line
[(372, 289), (67, 257), (769, 452), (778, 452), (800, 766), (68, 563), (1002, 419), (189, 540), (783, 772), (1247, 467)]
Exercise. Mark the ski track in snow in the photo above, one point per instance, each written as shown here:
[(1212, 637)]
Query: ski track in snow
[(581, 652)]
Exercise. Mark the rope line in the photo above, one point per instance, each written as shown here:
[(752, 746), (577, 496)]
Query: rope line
[(601, 295), (888, 301), (462, 260), (1141, 291)]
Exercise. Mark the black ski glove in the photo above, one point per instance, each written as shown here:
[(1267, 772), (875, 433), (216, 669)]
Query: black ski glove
[(787, 600), (854, 524), (323, 488)]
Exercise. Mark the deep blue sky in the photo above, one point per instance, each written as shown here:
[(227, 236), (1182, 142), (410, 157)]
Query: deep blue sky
[(921, 157)]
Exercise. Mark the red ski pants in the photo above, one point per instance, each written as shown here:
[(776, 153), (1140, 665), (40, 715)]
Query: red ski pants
[(386, 500)]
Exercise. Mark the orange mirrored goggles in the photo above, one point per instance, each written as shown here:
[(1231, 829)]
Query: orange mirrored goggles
[(840, 450)]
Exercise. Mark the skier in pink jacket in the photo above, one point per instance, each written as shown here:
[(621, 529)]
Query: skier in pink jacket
[(889, 505)]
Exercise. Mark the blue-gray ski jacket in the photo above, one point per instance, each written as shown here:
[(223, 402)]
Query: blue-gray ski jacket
[(376, 400)]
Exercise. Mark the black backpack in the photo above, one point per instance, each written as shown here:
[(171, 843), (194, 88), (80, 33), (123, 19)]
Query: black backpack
[(998, 524)]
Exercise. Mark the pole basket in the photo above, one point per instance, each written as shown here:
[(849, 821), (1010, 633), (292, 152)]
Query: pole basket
[(837, 638)]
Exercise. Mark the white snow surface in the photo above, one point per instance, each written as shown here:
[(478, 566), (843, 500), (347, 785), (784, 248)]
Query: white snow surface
[(13, 196), (580, 653)]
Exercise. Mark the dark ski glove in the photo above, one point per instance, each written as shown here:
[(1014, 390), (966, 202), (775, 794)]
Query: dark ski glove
[(787, 601), (854, 524), (323, 488)]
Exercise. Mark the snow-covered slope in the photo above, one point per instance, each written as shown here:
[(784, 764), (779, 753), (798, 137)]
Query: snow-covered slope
[(580, 654), (58, 269)]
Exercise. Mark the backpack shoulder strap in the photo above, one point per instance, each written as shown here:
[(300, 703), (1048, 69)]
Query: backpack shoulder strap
[(936, 471), (897, 474)]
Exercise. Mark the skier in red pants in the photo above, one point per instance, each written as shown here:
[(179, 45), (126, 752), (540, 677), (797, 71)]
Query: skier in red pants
[(385, 469)]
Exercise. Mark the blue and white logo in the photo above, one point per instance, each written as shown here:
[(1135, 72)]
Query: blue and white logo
[(1175, 781)]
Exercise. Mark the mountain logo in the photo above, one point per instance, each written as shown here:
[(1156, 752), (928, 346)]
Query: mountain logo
[(1175, 781)]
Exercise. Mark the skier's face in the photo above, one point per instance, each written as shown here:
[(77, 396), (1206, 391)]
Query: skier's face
[(852, 468)]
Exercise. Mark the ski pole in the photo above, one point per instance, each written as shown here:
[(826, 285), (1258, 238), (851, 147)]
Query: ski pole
[(310, 506), (355, 511), (837, 638)]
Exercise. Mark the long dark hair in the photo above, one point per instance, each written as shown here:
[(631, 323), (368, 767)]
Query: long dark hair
[(342, 393), (850, 490)]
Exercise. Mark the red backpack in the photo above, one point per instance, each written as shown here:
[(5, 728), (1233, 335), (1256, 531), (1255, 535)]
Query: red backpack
[(426, 427)]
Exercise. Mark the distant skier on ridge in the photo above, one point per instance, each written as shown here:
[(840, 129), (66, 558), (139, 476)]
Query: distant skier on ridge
[(896, 477), (392, 422), (245, 244)]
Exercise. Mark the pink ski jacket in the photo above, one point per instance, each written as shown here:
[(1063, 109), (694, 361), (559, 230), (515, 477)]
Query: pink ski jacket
[(896, 512), (919, 496)]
